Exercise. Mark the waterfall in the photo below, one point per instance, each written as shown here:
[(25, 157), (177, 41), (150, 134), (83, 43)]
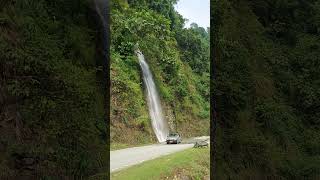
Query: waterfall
[(102, 8), (159, 124)]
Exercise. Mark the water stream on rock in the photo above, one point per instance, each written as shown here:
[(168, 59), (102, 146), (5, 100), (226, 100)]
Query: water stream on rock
[(159, 124)]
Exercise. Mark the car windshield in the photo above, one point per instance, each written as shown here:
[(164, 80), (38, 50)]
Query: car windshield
[(173, 134)]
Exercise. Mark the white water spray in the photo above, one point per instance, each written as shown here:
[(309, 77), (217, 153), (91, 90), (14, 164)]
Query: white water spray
[(159, 125)]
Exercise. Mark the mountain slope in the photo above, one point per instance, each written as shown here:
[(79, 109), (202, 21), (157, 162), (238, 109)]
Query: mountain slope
[(51, 117), (179, 60), (266, 88)]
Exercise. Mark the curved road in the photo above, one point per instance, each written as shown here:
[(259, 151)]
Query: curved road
[(124, 158)]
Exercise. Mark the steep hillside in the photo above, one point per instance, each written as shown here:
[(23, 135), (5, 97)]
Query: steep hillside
[(179, 60), (51, 98), (267, 88)]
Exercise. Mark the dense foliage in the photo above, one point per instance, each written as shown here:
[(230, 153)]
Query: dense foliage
[(51, 115), (267, 88), (179, 60)]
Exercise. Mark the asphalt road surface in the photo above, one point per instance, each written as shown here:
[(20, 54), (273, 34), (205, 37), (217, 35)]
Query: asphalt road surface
[(124, 158)]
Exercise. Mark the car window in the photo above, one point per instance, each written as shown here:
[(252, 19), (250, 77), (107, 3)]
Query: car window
[(174, 135)]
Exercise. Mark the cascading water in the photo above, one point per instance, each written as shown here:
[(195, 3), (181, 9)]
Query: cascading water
[(159, 124), (102, 8)]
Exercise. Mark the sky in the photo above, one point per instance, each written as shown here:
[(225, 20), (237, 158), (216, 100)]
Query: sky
[(197, 11)]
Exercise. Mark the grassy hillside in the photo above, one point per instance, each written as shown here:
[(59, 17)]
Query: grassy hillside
[(267, 88), (51, 98), (179, 60)]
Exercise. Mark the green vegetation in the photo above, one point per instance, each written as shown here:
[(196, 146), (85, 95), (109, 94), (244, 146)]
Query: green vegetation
[(51, 94), (192, 163), (179, 60), (267, 88)]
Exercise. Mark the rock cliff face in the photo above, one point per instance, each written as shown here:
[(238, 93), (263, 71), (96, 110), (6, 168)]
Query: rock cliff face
[(170, 117)]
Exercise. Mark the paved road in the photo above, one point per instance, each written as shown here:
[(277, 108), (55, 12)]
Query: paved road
[(124, 158)]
